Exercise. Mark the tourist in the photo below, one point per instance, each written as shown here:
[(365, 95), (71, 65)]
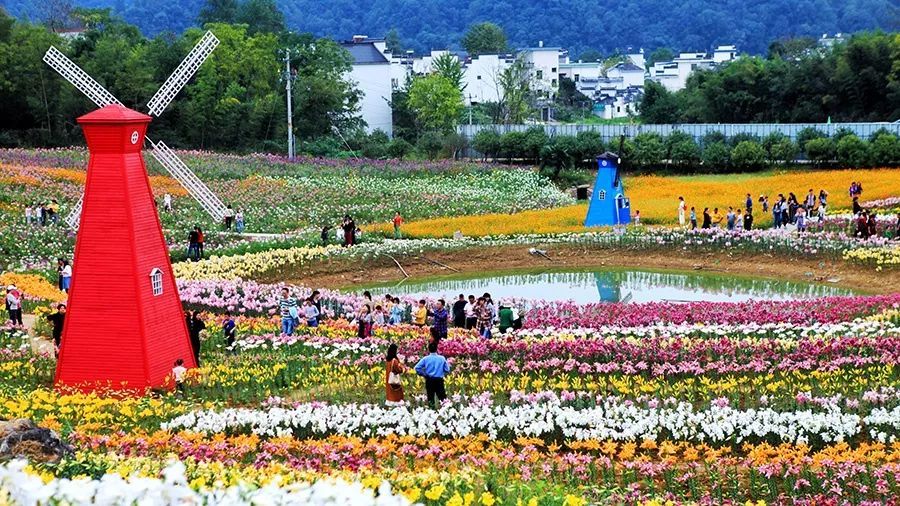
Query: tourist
[(57, 320), (471, 316), (748, 203), (748, 220), (229, 217), (289, 311), (776, 214), (325, 231), (193, 251), (178, 372), (398, 220), (765, 203), (707, 219), (66, 274), (368, 296), (396, 314), (517, 317), (195, 325), (693, 218), (856, 207), (28, 215), (349, 228), (506, 317), (316, 298), (730, 218), (810, 200), (862, 225), (421, 314), (167, 203), (60, 263), (637, 218), (378, 317), (738, 220), (53, 211), (439, 323), (433, 368), (310, 312), (800, 218), (717, 218), (229, 330), (681, 207), (392, 380), (872, 225), (821, 215), (485, 319), (42, 207), (792, 209), (364, 322), (200, 241), (239, 222), (823, 197), (459, 312)]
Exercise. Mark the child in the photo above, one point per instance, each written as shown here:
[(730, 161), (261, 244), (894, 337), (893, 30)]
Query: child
[(378, 316), (421, 314), (229, 330), (178, 373), (396, 312), (637, 218), (311, 312)]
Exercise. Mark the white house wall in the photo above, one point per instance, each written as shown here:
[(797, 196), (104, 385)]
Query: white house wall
[(374, 82)]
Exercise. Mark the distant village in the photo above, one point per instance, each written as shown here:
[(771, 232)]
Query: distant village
[(615, 90)]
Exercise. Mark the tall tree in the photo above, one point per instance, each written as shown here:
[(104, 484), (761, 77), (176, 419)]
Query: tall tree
[(218, 11), (261, 16), (482, 38), (393, 42), (448, 65), (436, 101), (660, 54), (514, 90)]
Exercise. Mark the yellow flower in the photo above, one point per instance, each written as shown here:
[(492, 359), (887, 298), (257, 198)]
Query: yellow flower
[(573, 500), (487, 499), (456, 500), (434, 493)]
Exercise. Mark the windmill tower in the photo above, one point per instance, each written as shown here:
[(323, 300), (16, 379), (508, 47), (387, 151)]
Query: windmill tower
[(124, 327)]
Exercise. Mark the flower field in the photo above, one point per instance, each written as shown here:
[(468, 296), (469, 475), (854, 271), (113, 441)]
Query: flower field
[(651, 403)]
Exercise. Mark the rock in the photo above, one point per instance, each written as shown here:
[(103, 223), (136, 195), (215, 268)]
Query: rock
[(697, 267), (23, 438)]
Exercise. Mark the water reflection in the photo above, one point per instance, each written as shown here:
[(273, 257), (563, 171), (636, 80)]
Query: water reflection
[(616, 286)]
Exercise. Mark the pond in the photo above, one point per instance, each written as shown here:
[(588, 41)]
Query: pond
[(611, 285)]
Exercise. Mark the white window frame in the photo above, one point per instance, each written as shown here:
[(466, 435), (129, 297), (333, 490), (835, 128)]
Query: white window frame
[(156, 284)]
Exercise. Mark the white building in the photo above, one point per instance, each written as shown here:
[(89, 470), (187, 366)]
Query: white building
[(544, 66), (372, 73), (616, 90), (673, 75)]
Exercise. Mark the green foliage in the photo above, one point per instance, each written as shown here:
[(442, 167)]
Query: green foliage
[(430, 144), (684, 153), (514, 82), (436, 102), (482, 38), (885, 149), (649, 150), (716, 157), (851, 151), (392, 41), (783, 151), (487, 142), (218, 11), (560, 153), (820, 150), (589, 146), (659, 105), (590, 55), (660, 54), (448, 66), (808, 134), (399, 149), (748, 155)]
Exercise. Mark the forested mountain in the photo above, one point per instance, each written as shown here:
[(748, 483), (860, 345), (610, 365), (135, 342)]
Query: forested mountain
[(604, 25)]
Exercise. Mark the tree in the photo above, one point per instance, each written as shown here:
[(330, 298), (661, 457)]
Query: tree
[(590, 55), (659, 105), (649, 150), (660, 54), (852, 151), (56, 14), (218, 11), (436, 102), (392, 41), (6, 25), (748, 155), (792, 48), (514, 90), (482, 38), (820, 150), (448, 65), (487, 142), (260, 16)]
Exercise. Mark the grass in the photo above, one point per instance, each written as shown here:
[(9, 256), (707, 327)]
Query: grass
[(656, 197)]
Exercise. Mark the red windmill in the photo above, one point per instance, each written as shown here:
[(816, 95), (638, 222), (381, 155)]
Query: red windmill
[(124, 328)]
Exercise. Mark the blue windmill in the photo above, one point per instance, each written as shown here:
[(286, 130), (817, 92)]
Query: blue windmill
[(609, 205)]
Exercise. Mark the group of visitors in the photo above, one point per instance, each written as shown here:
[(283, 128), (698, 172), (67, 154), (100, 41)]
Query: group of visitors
[(432, 367), (234, 219), (785, 211), (196, 242), (14, 299), (42, 213), (289, 309)]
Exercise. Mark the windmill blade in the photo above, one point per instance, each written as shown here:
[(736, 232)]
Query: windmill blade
[(207, 199), (74, 217), (79, 78), (182, 74)]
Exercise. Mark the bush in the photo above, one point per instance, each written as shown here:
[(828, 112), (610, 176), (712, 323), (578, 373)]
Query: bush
[(685, 153), (589, 146), (808, 134), (430, 144), (885, 149), (852, 151), (771, 140), (535, 139), (375, 144), (454, 144), (716, 157), (487, 142), (820, 150), (399, 148), (512, 145), (323, 146), (559, 154), (742, 137), (714, 137), (842, 132), (783, 151), (748, 155), (649, 150)]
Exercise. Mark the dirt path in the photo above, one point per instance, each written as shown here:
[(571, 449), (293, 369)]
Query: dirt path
[(471, 261)]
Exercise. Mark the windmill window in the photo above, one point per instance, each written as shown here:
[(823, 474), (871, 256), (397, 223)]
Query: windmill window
[(156, 281)]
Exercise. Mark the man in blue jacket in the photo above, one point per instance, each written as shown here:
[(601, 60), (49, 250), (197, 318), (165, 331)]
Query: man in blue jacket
[(433, 368)]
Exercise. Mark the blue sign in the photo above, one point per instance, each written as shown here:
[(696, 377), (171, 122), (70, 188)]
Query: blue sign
[(615, 210)]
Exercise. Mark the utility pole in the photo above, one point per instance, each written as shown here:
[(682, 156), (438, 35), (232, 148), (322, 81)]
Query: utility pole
[(288, 78), (470, 111)]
